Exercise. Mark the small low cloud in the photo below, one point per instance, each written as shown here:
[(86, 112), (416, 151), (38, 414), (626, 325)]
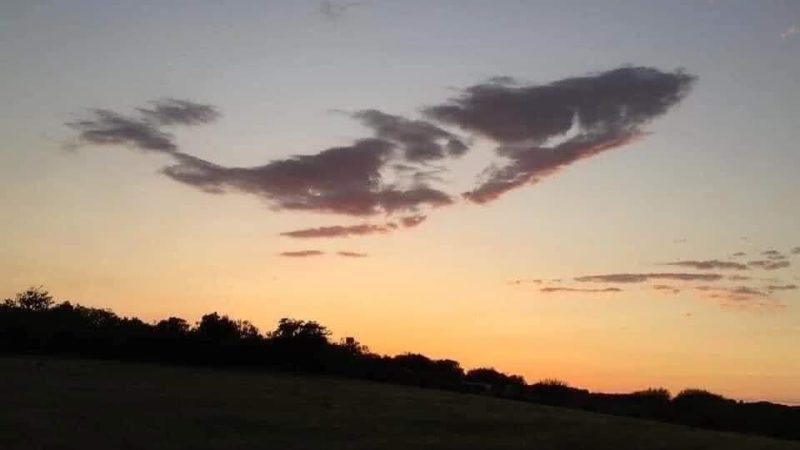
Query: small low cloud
[(352, 254), (666, 288), (302, 253), (769, 264), (796, 251), (774, 255), (782, 287), (741, 297), (173, 111), (412, 221), (581, 290), (643, 277), (105, 127), (738, 254), (340, 231), (739, 278), (712, 264), (526, 281), (335, 10)]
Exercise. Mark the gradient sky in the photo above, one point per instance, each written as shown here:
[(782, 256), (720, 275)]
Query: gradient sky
[(715, 175)]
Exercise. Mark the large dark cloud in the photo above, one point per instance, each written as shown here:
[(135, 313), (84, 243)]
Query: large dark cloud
[(606, 110), (419, 140), (709, 264), (344, 180), (643, 277)]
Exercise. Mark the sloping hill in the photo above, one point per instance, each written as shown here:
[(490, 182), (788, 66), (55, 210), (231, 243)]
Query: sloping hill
[(75, 404)]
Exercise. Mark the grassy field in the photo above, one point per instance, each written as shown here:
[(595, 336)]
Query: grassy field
[(75, 404)]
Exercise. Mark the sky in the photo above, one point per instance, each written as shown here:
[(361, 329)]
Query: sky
[(600, 192)]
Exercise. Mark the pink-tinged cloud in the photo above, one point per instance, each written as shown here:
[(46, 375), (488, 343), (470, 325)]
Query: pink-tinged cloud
[(529, 166), (581, 290), (412, 221), (340, 231), (302, 253), (643, 277)]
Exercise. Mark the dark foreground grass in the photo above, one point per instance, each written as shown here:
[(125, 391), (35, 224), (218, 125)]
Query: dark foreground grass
[(77, 404)]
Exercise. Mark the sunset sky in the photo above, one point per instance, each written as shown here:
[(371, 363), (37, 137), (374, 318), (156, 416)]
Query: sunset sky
[(602, 192)]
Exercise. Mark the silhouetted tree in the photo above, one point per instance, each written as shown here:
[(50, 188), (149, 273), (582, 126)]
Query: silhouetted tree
[(32, 323), (173, 326), (34, 299), (215, 328)]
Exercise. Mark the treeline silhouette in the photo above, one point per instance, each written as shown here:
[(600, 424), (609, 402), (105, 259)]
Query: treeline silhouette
[(32, 323)]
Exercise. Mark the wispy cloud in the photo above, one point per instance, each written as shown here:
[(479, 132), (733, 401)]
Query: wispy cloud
[(790, 32), (643, 277), (302, 253), (334, 10), (782, 287), (105, 127), (711, 264), (769, 264), (666, 288), (581, 290), (739, 277), (773, 255), (173, 111), (352, 254), (740, 297), (340, 231)]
